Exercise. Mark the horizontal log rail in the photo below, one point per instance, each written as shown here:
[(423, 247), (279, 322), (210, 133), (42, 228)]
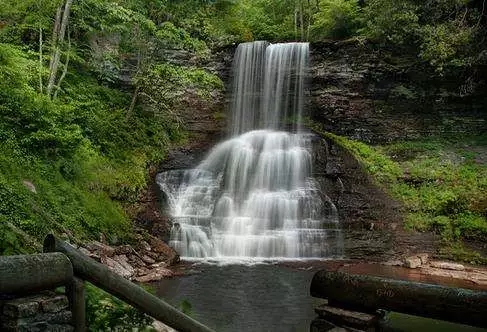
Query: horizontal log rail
[(369, 293), (88, 269), (27, 273)]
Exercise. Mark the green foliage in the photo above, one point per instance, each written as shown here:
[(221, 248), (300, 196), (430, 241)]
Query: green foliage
[(445, 33), (395, 22), (21, 20), (441, 190), (87, 152), (444, 44), (441, 187), (377, 164), (186, 307), (29, 117), (217, 22), (58, 205), (173, 37), (458, 252), (105, 312), (335, 19), (269, 20), (163, 85)]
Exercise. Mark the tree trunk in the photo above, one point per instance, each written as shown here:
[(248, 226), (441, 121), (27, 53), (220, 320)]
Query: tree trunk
[(301, 20), (133, 102), (56, 54), (40, 60), (55, 34), (65, 68)]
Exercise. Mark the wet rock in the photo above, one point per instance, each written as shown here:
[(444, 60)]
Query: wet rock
[(155, 275), (100, 249), (121, 269), (158, 246), (424, 258), (145, 246), (136, 261), (372, 95), (124, 249), (447, 266), (394, 263), (412, 262), (148, 260)]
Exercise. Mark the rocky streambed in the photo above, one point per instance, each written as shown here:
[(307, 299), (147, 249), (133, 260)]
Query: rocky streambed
[(149, 259)]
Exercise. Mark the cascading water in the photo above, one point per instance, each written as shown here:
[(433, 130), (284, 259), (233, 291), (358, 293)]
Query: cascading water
[(253, 196)]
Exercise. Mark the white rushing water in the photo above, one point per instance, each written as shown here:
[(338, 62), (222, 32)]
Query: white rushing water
[(253, 196)]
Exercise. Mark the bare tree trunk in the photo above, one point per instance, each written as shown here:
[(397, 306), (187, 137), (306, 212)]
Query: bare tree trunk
[(132, 103), (40, 60), (65, 68), (57, 49), (309, 21), (296, 23), (301, 19), (55, 34)]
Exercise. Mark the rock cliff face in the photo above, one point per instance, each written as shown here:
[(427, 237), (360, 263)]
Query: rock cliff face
[(362, 93), (377, 96), (204, 120)]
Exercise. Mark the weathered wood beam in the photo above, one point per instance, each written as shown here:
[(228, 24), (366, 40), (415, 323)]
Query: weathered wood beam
[(27, 273), (98, 274), (76, 295), (369, 293)]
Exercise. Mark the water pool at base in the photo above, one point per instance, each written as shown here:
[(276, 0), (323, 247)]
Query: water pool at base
[(265, 297), (244, 298)]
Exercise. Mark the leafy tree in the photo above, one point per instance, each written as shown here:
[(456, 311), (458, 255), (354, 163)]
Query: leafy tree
[(336, 19), (446, 33)]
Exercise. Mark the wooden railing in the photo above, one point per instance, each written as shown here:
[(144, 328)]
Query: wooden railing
[(63, 265), (367, 294)]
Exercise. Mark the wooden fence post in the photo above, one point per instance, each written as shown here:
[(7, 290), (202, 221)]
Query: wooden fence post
[(76, 295)]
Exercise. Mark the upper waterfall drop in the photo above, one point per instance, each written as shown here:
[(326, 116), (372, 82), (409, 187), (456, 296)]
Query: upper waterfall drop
[(268, 85), (254, 195)]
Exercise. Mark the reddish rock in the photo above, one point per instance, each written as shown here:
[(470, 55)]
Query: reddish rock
[(148, 260), (158, 246), (101, 249), (124, 249)]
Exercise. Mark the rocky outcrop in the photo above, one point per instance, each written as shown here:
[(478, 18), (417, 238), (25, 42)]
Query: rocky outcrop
[(204, 121), (371, 94), (362, 92), (46, 311), (145, 261)]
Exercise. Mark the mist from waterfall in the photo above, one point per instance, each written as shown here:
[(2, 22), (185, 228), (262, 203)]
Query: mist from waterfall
[(254, 195)]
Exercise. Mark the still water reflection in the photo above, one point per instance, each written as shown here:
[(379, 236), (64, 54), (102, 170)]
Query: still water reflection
[(265, 297), (245, 298)]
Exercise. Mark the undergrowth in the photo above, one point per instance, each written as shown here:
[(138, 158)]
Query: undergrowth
[(75, 165), (441, 182)]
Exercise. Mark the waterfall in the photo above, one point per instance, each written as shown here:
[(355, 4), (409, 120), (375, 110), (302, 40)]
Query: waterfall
[(254, 195)]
